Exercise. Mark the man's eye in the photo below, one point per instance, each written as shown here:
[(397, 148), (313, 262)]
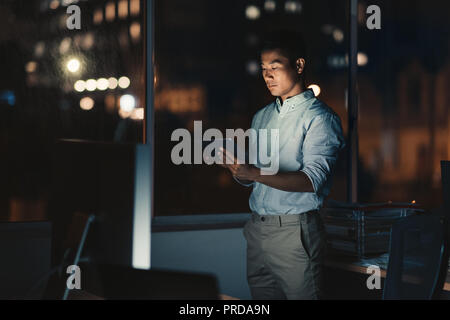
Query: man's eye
[(274, 68)]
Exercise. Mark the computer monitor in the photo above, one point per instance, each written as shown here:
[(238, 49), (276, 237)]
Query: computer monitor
[(120, 282), (112, 182)]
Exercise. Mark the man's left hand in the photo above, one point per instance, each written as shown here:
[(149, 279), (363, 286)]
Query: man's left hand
[(240, 171)]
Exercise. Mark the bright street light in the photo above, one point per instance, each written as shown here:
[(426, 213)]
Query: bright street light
[(73, 65)]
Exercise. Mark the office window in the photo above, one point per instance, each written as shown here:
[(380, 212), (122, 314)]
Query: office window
[(404, 122), (61, 83), (207, 70), (89, 84)]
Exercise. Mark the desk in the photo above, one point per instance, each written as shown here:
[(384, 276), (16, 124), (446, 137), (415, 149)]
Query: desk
[(353, 265)]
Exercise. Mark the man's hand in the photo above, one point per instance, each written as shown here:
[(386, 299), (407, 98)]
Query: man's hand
[(296, 181), (240, 171)]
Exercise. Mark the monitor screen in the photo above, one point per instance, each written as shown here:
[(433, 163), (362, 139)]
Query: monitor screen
[(112, 182)]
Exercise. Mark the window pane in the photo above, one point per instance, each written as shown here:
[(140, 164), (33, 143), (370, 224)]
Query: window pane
[(58, 82), (404, 101), (207, 69)]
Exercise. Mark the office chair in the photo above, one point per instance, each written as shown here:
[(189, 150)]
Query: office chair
[(418, 258)]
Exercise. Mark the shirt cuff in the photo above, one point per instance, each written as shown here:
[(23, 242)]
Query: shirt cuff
[(241, 183)]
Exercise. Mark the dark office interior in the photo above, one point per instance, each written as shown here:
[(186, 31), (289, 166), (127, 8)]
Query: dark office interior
[(86, 120)]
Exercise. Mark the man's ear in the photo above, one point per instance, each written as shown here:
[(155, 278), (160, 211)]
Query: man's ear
[(300, 65)]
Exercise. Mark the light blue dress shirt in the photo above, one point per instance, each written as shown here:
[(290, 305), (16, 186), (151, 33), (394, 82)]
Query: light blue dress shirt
[(310, 137)]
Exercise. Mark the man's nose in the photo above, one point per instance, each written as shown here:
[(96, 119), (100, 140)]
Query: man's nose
[(267, 74)]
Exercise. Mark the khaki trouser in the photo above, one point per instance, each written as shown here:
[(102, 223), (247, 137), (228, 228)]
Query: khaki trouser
[(285, 256)]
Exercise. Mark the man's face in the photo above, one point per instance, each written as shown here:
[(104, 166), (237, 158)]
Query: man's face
[(281, 79)]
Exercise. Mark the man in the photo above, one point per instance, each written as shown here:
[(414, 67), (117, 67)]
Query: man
[(285, 236)]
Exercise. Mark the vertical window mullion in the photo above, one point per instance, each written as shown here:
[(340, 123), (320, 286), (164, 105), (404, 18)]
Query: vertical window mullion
[(149, 115), (352, 103)]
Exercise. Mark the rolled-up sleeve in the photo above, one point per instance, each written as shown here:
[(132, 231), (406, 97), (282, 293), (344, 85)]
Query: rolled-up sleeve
[(320, 149)]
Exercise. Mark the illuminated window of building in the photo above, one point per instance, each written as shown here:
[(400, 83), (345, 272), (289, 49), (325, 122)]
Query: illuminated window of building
[(110, 103), (65, 45), (182, 100), (54, 4), (31, 67), (98, 16), (135, 31), (62, 21), (77, 41), (39, 49), (137, 114), (110, 11), (88, 41), (134, 7), (123, 9), (123, 39)]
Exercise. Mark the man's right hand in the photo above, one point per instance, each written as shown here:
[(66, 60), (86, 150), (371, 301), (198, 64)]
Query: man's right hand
[(244, 172)]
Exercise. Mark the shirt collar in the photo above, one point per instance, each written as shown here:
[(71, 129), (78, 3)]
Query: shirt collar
[(293, 103)]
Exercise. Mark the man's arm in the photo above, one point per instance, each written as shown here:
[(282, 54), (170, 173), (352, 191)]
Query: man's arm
[(296, 181), (323, 141), (320, 149)]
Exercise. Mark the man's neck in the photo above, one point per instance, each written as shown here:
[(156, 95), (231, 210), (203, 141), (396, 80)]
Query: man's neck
[(296, 90)]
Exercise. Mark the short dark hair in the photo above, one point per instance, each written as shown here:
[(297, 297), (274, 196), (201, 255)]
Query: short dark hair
[(290, 43)]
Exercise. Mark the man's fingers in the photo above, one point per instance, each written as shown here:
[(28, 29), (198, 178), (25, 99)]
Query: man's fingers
[(229, 154), (229, 167), (229, 159)]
